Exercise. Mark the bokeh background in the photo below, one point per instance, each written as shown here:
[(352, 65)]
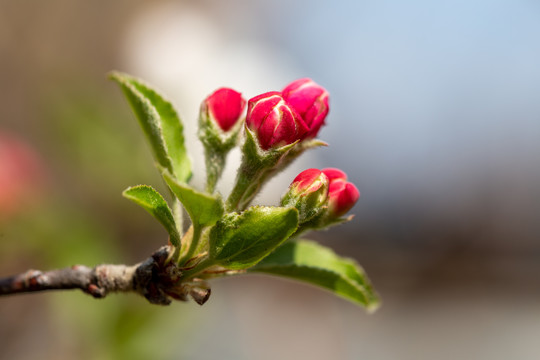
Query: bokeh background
[(435, 115)]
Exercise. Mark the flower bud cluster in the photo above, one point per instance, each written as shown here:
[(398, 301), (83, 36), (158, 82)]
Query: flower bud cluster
[(294, 114), (277, 118), (275, 121)]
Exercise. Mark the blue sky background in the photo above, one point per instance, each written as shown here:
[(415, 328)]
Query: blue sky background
[(435, 105)]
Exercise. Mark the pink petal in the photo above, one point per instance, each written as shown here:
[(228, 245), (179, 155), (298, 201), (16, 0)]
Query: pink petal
[(334, 174)]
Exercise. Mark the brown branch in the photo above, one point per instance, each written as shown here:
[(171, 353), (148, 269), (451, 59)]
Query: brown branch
[(155, 279)]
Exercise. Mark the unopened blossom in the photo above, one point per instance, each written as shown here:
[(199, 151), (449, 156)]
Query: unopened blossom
[(310, 100), (225, 107), (342, 195), (308, 193), (273, 121)]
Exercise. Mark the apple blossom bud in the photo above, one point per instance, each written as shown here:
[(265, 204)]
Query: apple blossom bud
[(342, 195), (307, 193), (225, 107), (310, 100), (274, 122)]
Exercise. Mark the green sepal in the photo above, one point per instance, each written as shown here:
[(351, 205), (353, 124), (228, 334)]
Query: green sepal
[(318, 265), (213, 136), (298, 150), (265, 159), (204, 209), (155, 204), (160, 123), (239, 241), (309, 203)]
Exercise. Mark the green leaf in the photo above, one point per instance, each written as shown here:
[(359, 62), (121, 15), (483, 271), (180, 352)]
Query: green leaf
[(160, 123), (153, 202), (239, 241), (204, 209), (318, 265)]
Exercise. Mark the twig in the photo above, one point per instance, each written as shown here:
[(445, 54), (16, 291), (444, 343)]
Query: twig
[(155, 279)]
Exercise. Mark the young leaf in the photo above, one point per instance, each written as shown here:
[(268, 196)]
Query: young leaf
[(153, 202), (239, 241), (160, 124), (318, 265), (203, 209)]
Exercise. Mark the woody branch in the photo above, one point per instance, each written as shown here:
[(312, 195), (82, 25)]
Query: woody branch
[(154, 278)]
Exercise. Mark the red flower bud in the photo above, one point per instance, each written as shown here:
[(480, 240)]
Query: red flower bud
[(274, 122), (307, 193), (225, 106), (342, 195), (310, 100)]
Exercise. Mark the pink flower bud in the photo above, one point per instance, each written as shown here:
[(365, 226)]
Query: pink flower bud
[(274, 122), (307, 193), (225, 106), (342, 195), (310, 100)]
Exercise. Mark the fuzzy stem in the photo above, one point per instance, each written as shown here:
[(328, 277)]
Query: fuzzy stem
[(245, 187), (215, 162)]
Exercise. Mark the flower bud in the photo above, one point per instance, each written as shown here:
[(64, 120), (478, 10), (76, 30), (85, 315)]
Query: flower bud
[(307, 193), (342, 195), (274, 122), (225, 107), (310, 100)]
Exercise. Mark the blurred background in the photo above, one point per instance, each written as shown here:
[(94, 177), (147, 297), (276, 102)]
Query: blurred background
[(435, 115)]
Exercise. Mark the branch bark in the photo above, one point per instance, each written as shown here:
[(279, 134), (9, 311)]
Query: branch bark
[(155, 279)]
